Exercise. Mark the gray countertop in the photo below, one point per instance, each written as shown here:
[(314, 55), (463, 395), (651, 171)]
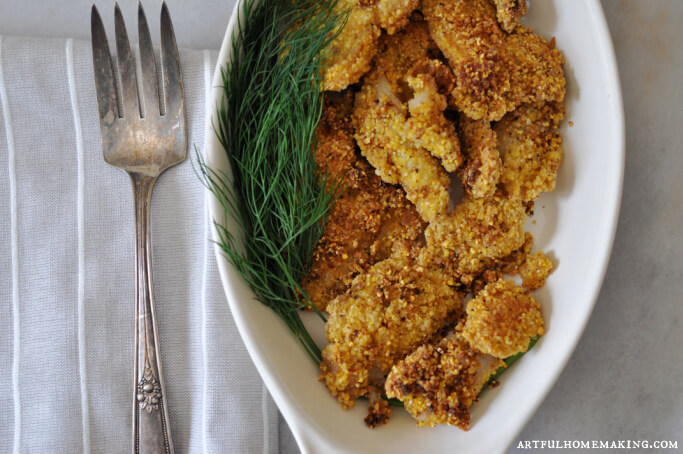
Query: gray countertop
[(625, 379)]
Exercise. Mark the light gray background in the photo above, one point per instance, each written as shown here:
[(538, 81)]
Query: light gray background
[(625, 380)]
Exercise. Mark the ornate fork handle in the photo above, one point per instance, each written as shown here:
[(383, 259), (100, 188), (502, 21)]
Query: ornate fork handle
[(150, 414)]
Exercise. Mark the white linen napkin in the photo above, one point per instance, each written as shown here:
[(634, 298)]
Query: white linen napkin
[(66, 275)]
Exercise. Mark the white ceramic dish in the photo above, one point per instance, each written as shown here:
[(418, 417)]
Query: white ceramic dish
[(575, 224)]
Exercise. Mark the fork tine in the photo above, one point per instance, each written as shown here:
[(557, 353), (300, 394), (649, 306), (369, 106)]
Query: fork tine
[(129, 88), (148, 66), (170, 62), (104, 77)]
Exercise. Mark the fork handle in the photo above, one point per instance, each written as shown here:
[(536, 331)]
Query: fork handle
[(151, 428)]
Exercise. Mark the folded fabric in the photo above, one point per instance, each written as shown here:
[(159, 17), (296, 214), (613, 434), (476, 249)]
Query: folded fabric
[(66, 280)]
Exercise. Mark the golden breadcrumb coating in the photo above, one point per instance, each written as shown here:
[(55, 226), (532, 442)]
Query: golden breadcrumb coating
[(400, 127), (535, 271), (353, 49), (389, 311), (509, 12), (476, 234), (367, 218), (392, 15), (427, 127), (531, 149), (356, 45), (495, 71), (419, 82), (511, 263), (502, 319), (482, 168), (335, 153), (379, 127), (438, 384), (399, 221), (398, 54)]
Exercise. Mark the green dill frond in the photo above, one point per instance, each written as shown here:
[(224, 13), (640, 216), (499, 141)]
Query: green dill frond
[(266, 123)]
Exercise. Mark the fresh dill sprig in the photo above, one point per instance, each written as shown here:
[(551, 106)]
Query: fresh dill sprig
[(271, 105)]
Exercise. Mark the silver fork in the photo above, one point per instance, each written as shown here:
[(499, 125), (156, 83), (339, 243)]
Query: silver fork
[(142, 136)]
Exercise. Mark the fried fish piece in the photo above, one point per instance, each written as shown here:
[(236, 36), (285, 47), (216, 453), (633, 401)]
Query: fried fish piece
[(511, 263), (482, 168), (381, 138), (392, 15), (509, 12), (335, 153), (351, 52), (531, 149), (367, 218), (361, 229), (400, 220), (535, 270), (494, 71), (502, 319), (439, 383), (400, 127), (477, 234), (388, 312), (427, 126), (417, 81)]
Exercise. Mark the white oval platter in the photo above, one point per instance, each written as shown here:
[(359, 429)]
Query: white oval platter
[(575, 224)]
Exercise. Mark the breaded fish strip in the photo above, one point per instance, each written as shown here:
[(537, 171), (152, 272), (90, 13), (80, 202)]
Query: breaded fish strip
[(361, 229), (412, 75), (381, 138), (400, 148), (438, 384), (509, 12), (535, 271), (392, 15), (510, 264), (356, 45), (427, 127), (531, 149), (367, 218), (475, 235), (400, 53), (400, 220), (335, 153), (502, 319), (482, 168), (495, 71), (388, 312)]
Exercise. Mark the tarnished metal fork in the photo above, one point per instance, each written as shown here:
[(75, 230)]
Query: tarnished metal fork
[(143, 135)]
